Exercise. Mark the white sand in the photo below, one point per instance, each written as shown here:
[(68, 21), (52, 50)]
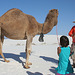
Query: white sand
[(43, 57)]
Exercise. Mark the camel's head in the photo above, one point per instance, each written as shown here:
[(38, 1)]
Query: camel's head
[(52, 16)]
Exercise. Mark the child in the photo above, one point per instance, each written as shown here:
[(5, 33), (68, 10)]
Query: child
[(72, 34), (64, 66)]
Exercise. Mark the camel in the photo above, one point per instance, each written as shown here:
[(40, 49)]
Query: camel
[(15, 24)]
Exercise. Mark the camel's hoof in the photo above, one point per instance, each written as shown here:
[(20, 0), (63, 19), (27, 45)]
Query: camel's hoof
[(7, 61), (29, 63), (26, 66)]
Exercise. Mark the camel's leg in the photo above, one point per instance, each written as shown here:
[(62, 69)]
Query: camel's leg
[(1, 41), (28, 51), (2, 53)]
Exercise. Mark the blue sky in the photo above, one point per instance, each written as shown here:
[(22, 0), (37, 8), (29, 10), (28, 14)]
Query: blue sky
[(40, 8)]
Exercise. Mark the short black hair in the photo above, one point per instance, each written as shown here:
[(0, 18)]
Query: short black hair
[(64, 41)]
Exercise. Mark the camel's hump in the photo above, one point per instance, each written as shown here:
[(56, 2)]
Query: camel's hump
[(13, 11)]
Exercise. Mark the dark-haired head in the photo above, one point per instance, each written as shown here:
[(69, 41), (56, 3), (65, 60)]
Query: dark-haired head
[(64, 41)]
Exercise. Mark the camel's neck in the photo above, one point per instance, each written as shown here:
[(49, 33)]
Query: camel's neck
[(47, 27)]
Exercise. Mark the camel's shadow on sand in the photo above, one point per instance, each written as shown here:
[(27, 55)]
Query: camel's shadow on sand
[(50, 59), (15, 57), (36, 73)]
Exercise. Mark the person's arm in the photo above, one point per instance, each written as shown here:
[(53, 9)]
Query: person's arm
[(58, 50)]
